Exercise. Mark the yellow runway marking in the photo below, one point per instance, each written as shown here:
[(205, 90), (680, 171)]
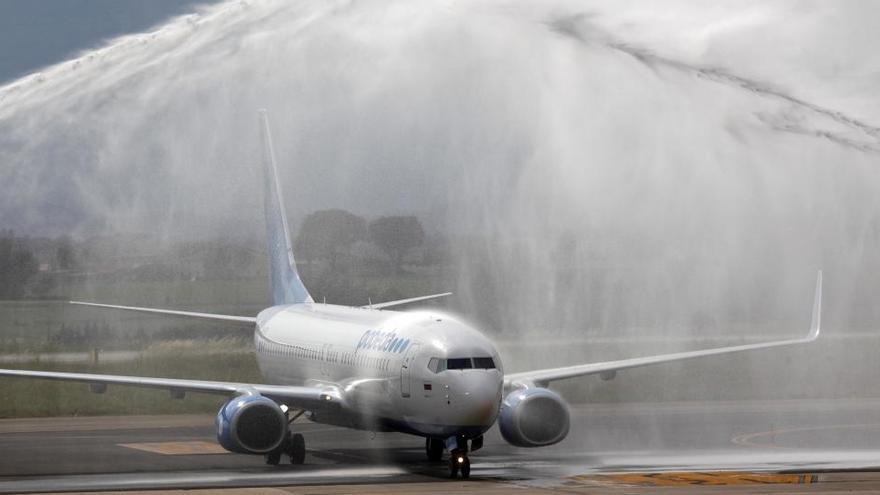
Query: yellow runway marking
[(177, 448), (722, 478)]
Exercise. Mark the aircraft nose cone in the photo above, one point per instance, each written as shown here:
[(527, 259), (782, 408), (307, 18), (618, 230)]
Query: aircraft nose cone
[(478, 399), (484, 411)]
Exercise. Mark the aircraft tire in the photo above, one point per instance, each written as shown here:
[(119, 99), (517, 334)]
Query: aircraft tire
[(273, 458), (466, 468), (297, 449), (434, 449), (453, 467)]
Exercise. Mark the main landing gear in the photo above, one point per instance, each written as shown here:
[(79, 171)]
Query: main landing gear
[(434, 449), (458, 447), (294, 446)]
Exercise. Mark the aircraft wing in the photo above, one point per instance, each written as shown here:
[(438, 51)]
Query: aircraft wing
[(399, 302), (186, 314), (542, 377), (296, 396)]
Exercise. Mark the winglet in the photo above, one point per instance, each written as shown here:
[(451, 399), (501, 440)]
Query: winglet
[(816, 323)]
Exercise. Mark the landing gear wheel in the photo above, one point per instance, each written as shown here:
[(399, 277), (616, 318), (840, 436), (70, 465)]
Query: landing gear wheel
[(459, 461), (273, 458), (434, 449), (297, 450), (453, 467)]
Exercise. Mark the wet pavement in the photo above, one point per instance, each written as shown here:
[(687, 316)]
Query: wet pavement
[(113, 453)]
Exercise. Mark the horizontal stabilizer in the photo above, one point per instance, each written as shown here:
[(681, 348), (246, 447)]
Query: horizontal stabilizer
[(400, 302), (171, 312)]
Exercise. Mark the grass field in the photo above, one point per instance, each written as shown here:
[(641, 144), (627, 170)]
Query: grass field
[(838, 365), (171, 347), (59, 326), (227, 360)]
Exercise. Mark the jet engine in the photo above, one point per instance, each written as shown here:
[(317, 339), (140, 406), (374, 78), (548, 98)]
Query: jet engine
[(251, 424), (534, 417)]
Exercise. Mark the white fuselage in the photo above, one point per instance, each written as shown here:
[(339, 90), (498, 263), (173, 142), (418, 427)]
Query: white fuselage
[(380, 361)]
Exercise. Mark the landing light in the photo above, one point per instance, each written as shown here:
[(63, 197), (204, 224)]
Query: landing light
[(460, 460)]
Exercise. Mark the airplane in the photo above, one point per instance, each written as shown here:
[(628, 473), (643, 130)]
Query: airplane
[(418, 372)]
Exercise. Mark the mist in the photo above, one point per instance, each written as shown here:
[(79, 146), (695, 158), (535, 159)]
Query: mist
[(602, 170)]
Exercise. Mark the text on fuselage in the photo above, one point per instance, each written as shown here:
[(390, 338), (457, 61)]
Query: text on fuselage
[(375, 340)]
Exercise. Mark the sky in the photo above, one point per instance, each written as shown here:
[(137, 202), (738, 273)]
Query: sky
[(38, 33), (674, 162)]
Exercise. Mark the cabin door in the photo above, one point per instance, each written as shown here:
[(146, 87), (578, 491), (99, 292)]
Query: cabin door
[(406, 368)]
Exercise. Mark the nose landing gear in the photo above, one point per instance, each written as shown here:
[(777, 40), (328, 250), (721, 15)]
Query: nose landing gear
[(459, 462)]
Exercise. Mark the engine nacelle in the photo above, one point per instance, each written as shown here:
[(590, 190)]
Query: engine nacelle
[(251, 424), (534, 417)]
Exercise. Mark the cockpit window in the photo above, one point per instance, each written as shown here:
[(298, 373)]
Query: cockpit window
[(437, 364), (434, 365), (459, 364), (486, 363)]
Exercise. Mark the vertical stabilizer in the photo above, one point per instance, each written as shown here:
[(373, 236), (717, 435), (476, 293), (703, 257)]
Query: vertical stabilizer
[(287, 288)]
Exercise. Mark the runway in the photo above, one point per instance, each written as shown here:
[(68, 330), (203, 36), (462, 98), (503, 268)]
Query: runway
[(814, 445)]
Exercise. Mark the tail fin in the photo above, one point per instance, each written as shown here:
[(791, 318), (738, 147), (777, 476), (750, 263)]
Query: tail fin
[(287, 288)]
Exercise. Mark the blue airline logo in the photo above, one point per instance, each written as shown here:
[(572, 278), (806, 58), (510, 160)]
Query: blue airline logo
[(375, 340)]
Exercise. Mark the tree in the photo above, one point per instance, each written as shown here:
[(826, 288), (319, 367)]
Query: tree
[(328, 234), (227, 261), (17, 265), (396, 236), (65, 255)]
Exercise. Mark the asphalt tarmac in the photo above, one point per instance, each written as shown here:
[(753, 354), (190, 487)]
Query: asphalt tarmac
[(752, 447)]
